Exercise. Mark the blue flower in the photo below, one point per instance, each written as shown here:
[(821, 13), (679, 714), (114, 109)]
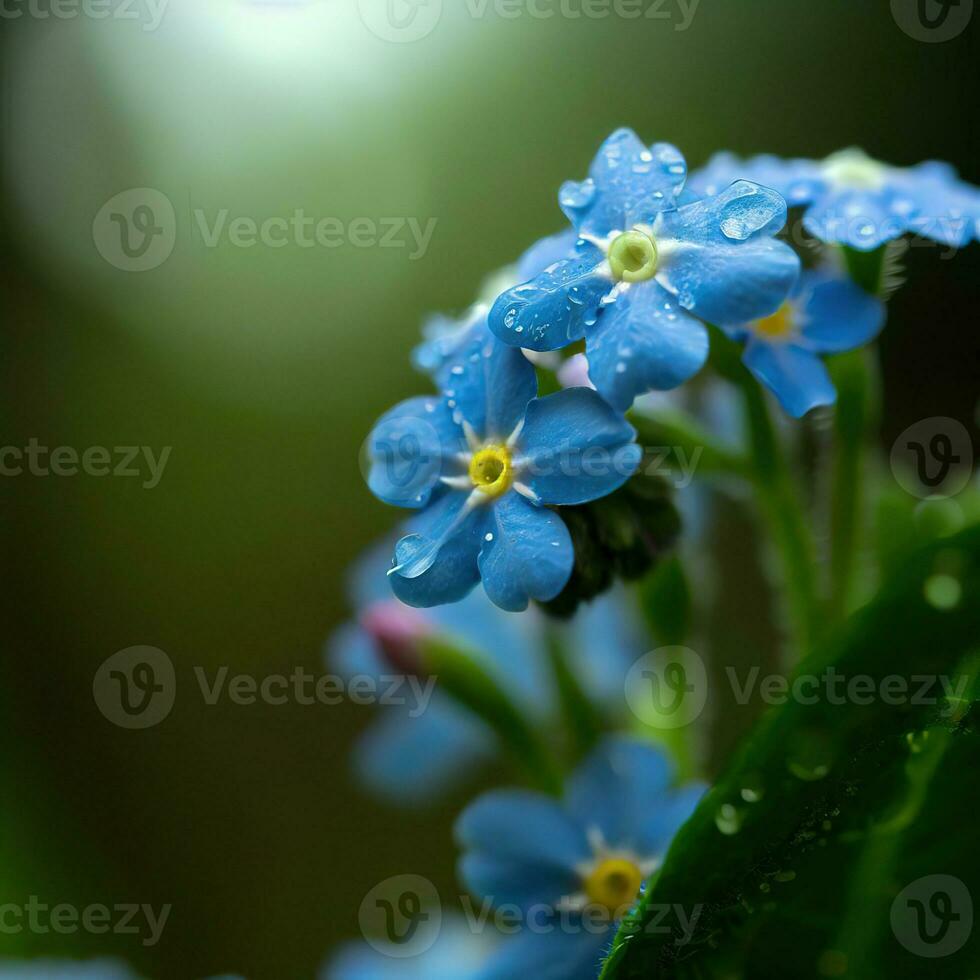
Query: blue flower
[(574, 866), (459, 952), (64, 970), (412, 756), (851, 199), (825, 314), (446, 340), (483, 464), (647, 262)]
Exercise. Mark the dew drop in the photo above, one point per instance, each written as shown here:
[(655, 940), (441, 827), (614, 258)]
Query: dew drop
[(943, 591), (728, 819)]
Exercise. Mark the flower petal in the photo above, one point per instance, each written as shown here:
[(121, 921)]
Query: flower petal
[(618, 788), (407, 449), (795, 376), (798, 181), (545, 253), (411, 760), (575, 447), (551, 953), (719, 259), (628, 184), (521, 847), (527, 553), (863, 219), (489, 385), (838, 315), (644, 342), (657, 829), (554, 309), (437, 561)]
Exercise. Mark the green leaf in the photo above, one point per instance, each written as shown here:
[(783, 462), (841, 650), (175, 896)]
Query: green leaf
[(666, 599), (460, 676), (771, 849)]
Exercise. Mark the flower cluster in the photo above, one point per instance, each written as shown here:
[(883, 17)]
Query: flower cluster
[(533, 495), (650, 264)]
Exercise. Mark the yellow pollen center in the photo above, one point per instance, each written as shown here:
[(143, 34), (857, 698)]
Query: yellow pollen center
[(491, 470), (633, 256), (614, 884), (778, 325)]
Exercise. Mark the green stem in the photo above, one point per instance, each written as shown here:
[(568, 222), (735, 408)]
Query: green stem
[(582, 719), (678, 433), (853, 422), (780, 498), (851, 374), (461, 677)]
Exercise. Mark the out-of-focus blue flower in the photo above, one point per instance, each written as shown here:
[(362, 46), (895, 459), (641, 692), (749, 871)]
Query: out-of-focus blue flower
[(645, 266), (851, 199), (64, 970), (459, 953), (412, 756), (445, 339), (826, 314), (484, 464), (581, 861)]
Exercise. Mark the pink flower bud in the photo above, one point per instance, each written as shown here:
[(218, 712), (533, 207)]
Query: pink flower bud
[(396, 630)]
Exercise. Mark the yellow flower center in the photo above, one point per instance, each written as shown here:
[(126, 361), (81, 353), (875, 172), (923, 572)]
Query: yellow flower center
[(614, 884), (854, 169), (777, 326), (633, 256), (491, 470)]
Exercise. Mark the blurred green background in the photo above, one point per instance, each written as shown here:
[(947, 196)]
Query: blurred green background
[(264, 367)]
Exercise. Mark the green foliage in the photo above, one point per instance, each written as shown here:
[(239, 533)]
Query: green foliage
[(831, 808)]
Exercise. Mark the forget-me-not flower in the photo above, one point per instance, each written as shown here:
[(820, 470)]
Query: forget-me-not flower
[(646, 266), (852, 199), (825, 314), (419, 747), (484, 464), (459, 952), (573, 866)]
